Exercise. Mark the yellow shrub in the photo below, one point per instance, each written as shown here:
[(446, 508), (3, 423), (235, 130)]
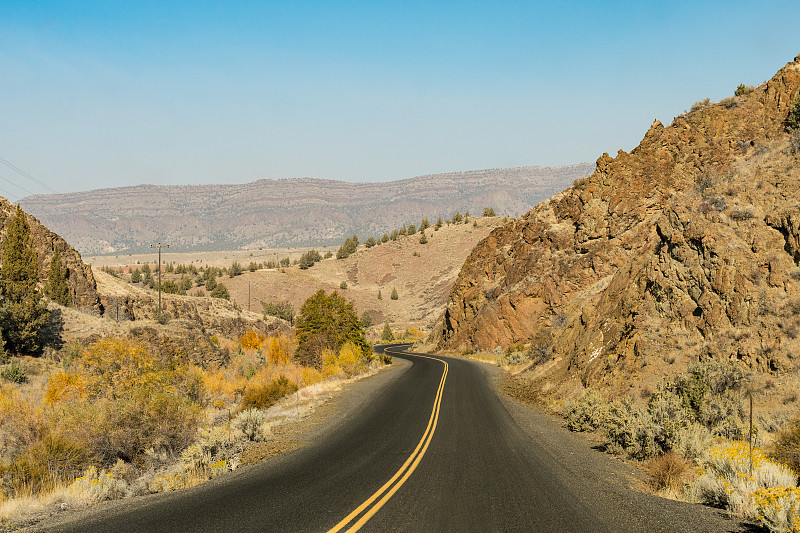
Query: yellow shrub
[(309, 375), (252, 340), (351, 359), (778, 509), (65, 386), (114, 366), (279, 350)]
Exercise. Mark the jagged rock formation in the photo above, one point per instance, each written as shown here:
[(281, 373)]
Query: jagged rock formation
[(286, 212), (79, 275), (685, 248)]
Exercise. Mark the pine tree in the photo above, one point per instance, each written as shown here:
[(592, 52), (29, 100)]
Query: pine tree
[(380, 297), (387, 335), (23, 313), (366, 319), (394, 294), (57, 288), (423, 239)]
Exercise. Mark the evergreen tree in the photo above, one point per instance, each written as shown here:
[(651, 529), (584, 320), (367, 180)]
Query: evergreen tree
[(385, 237), (424, 224), (394, 294), (327, 322), (220, 291), (387, 335), (366, 319), (380, 297), (438, 224), (136, 276), (423, 239), (412, 229), (23, 314), (57, 288)]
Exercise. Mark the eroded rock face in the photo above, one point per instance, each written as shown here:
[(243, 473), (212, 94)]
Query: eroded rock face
[(79, 275), (688, 245)]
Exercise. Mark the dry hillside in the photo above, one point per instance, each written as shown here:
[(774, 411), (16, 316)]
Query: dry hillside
[(288, 212), (685, 249), (422, 274)]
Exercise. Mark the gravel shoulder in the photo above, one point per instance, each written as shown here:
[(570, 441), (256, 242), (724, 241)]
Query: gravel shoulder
[(610, 486)]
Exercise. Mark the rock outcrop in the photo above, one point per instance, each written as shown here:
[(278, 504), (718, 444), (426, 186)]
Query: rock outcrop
[(687, 247), (79, 275)]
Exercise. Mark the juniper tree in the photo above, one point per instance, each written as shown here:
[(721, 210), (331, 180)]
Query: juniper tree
[(327, 322), (57, 288), (387, 334), (23, 314)]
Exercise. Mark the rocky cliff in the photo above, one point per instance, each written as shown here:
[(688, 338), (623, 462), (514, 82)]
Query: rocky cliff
[(687, 247), (79, 275)]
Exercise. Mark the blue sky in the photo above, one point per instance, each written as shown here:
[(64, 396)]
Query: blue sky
[(101, 94)]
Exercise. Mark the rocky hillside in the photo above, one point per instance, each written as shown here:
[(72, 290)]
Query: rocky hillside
[(79, 275), (686, 248), (274, 213)]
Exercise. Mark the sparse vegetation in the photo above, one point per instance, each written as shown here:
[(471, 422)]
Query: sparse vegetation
[(283, 310), (394, 295)]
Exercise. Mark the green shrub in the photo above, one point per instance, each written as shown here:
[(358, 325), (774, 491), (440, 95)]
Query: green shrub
[(394, 295), (14, 372), (793, 118), (283, 310), (263, 395), (588, 413), (252, 423), (743, 89)]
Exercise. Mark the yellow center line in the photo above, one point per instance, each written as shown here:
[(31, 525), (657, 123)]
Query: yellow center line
[(405, 471)]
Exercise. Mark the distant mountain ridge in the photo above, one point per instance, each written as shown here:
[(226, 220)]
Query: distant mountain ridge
[(284, 212)]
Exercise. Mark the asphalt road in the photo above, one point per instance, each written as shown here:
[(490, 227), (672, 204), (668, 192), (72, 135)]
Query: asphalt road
[(435, 451)]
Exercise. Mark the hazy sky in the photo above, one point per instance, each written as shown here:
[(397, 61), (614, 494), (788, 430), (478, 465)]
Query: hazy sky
[(112, 93)]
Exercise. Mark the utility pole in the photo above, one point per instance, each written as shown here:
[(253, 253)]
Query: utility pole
[(159, 246)]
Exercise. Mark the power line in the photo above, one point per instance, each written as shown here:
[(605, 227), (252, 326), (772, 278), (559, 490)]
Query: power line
[(36, 181), (15, 185)]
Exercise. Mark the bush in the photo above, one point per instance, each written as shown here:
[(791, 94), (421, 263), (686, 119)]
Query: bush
[(283, 310), (740, 215), (343, 285), (394, 295), (793, 118), (94, 487), (263, 395), (726, 481), (778, 509), (252, 423), (787, 445), (743, 89), (14, 372), (588, 413), (667, 471)]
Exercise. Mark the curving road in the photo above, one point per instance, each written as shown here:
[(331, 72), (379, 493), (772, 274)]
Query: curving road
[(436, 450)]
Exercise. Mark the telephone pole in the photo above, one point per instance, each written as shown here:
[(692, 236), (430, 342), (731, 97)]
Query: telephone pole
[(159, 246)]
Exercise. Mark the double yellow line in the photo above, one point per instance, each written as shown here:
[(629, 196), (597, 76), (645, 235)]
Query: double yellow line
[(391, 486)]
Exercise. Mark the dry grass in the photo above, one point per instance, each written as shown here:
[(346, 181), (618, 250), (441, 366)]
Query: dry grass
[(668, 473)]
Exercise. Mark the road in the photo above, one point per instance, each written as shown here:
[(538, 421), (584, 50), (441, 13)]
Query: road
[(436, 450)]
